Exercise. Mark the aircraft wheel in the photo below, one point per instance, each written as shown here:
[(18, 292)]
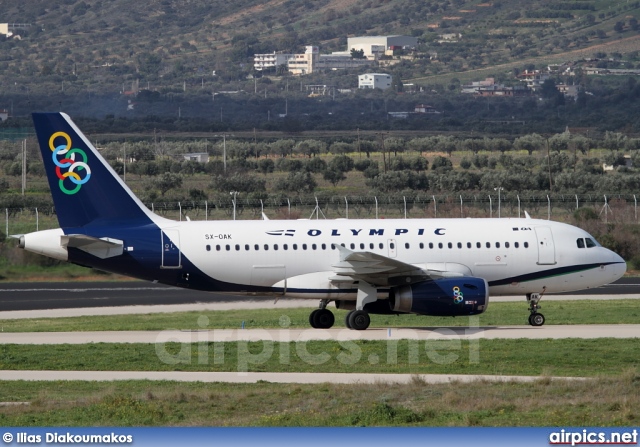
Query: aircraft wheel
[(313, 318), (536, 319), (359, 320), (346, 320), (323, 319)]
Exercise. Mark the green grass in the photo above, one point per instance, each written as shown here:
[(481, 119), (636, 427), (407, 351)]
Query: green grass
[(599, 402), (566, 357), (510, 313)]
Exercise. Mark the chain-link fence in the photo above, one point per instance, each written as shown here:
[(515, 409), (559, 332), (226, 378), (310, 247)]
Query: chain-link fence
[(617, 208)]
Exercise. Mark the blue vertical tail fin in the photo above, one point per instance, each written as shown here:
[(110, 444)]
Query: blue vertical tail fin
[(85, 189)]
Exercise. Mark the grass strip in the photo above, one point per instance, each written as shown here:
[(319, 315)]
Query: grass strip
[(567, 357), (598, 402), (510, 313)]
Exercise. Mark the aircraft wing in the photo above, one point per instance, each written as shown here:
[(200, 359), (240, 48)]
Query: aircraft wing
[(101, 247), (381, 270)]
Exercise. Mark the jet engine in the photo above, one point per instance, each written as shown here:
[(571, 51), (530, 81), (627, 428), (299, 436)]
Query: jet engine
[(447, 297)]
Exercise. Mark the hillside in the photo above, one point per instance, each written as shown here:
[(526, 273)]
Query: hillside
[(83, 55)]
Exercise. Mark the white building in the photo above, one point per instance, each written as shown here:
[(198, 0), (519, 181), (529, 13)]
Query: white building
[(374, 80), (270, 60), (374, 46), (200, 157), (9, 29), (309, 61)]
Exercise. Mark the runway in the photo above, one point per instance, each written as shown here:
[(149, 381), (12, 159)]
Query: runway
[(46, 300), (74, 299), (68, 295), (586, 331)]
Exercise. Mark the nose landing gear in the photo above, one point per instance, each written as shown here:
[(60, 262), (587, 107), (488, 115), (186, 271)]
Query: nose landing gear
[(535, 318)]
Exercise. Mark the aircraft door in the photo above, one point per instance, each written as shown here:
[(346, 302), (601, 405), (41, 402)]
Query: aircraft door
[(546, 247), (171, 257)]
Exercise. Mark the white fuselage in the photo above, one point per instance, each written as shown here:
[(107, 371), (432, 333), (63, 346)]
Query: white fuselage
[(515, 256)]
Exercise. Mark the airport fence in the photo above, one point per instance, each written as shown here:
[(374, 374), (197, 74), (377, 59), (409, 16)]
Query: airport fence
[(616, 208)]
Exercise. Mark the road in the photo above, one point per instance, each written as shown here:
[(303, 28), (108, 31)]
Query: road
[(583, 331), (254, 377), (69, 295)]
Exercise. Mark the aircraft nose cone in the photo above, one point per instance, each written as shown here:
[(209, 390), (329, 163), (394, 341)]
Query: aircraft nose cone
[(619, 267)]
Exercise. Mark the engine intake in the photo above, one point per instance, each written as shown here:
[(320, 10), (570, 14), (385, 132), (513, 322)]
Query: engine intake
[(443, 297)]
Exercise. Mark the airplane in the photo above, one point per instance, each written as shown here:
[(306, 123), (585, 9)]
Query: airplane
[(441, 267)]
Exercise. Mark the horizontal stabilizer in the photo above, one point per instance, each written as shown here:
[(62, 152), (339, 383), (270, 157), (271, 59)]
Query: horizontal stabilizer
[(100, 247)]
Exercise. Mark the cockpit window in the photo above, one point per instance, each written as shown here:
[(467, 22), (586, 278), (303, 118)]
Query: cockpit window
[(586, 242)]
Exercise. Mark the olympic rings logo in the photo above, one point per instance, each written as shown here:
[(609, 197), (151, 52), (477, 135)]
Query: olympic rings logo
[(77, 171), (457, 295)]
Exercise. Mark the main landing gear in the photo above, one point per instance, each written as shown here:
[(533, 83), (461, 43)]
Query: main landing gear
[(322, 318), (535, 318), (358, 319)]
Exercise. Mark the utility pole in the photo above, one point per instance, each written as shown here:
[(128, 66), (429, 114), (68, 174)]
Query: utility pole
[(549, 166), (24, 166)]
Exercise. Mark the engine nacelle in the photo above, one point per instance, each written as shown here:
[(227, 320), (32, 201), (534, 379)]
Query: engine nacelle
[(444, 297)]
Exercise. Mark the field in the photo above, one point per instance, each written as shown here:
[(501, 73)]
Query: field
[(610, 396), (598, 402)]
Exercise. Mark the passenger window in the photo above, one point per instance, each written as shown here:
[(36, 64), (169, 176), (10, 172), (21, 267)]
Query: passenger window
[(392, 246), (516, 244), (371, 246), (304, 246), (324, 246), (488, 244), (266, 247), (406, 245), (353, 246), (246, 247), (459, 244), (295, 246), (580, 243), (228, 247), (478, 245), (256, 247), (526, 245), (421, 245), (450, 245), (469, 245), (439, 244), (314, 246), (237, 247), (590, 242), (431, 245), (217, 248), (285, 247), (381, 245), (208, 247), (506, 244), (497, 244), (275, 246), (361, 246)]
